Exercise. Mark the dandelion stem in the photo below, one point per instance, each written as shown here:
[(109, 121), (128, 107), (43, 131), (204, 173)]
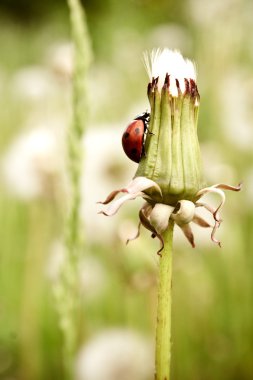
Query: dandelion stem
[(163, 328)]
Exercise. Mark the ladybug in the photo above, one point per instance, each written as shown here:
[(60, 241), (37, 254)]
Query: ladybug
[(134, 136)]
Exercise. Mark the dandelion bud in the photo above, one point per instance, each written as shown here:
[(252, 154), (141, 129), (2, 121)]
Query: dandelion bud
[(172, 154)]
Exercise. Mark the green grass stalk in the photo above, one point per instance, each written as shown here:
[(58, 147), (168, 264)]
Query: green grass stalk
[(82, 58), (163, 327), (67, 289)]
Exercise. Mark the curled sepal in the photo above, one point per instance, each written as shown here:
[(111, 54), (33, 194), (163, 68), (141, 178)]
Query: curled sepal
[(133, 190), (159, 217), (146, 209), (112, 195), (184, 212), (217, 220), (217, 189), (136, 235), (186, 228), (144, 216), (200, 221), (115, 206), (216, 241)]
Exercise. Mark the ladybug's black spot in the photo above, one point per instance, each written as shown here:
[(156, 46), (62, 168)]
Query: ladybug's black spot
[(137, 131), (134, 151), (126, 135)]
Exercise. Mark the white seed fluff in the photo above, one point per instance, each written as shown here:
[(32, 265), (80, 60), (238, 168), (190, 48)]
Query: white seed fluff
[(115, 354), (160, 62)]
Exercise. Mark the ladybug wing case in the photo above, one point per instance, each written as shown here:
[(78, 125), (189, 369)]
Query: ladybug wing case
[(132, 140)]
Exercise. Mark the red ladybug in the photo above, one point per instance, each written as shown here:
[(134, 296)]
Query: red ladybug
[(133, 137)]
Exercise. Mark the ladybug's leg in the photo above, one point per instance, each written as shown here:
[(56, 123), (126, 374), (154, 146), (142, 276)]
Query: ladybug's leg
[(149, 132), (143, 153), (147, 129)]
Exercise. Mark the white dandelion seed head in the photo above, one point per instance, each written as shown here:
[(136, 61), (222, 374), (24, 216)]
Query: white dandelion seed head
[(160, 62), (115, 354), (93, 277), (33, 165), (33, 83)]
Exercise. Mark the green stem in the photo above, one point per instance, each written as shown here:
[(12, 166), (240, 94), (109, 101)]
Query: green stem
[(67, 289), (163, 328)]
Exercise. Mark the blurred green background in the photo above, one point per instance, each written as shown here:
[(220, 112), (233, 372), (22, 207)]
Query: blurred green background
[(212, 287)]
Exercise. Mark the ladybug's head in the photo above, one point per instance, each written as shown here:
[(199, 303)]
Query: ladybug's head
[(145, 117)]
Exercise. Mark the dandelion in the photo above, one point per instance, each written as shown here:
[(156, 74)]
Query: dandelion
[(169, 176)]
